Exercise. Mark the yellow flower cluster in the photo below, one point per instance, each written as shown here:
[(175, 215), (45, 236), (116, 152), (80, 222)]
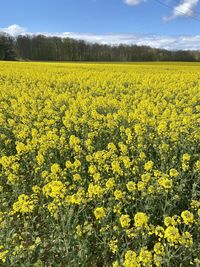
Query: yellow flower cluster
[(99, 213), (54, 189), (99, 164), (3, 254), (140, 219), (24, 204)]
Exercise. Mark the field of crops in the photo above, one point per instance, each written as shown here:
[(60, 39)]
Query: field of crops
[(99, 165)]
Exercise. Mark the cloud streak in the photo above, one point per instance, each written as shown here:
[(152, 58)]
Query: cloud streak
[(185, 8), (133, 2), (179, 42)]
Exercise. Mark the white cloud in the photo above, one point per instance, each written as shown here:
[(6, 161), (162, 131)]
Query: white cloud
[(180, 42), (185, 8), (14, 30), (133, 2)]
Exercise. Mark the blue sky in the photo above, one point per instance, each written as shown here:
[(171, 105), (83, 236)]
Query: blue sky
[(99, 17)]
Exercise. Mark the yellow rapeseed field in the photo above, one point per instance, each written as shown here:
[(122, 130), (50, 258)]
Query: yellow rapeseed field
[(99, 165)]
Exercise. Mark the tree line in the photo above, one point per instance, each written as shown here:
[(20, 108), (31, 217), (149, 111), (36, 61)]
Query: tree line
[(45, 48)]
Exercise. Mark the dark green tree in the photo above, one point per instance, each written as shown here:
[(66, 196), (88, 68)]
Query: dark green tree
[(52, 48), (7, 47)]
